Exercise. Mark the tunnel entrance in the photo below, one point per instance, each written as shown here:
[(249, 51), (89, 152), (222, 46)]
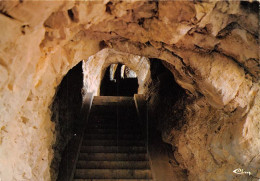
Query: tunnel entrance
[(165, 94), (119, 80), (66, 109), (115, 130)]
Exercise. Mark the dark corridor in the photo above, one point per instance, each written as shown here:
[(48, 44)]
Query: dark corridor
[(118, 86)]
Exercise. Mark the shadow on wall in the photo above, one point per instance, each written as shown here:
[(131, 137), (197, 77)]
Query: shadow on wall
[(119, 80), (163, 95), (66, 112)]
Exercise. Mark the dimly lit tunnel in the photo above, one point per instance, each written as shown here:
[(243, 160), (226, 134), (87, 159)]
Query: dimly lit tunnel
[(129, 91), (118, 100), (119, 80)]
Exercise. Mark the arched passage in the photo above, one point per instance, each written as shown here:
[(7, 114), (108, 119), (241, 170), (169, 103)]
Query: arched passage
[(94, 74), (162, 92), (66, 113), (119, 80), (211, 48)]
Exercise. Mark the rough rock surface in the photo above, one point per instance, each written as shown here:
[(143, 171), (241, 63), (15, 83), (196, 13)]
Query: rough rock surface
[(210, 47), (94, 69)]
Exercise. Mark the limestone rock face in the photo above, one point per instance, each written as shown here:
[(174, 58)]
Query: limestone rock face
[(94, 69), (210, 47)]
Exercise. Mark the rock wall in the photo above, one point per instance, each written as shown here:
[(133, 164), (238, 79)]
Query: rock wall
[(210, 47), (162, 95), (94, 69), (66, 113)]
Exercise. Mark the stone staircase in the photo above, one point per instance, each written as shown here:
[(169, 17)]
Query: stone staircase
[(114, 146)]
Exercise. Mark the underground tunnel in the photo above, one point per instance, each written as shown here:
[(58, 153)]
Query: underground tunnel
[(190, 112), (161, 87), (119, 80)]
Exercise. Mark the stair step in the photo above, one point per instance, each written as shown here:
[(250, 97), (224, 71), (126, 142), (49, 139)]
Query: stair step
[(116, 110), (127, 128), (112, 131), (119, 107), (113, 174), (104, 113), (113, 149), (114, 136), (113, 119), (113, 179), (113, 105), (92, 142), (113, 157), (113, 164), (98, 112), (104, 103), (103, 117), (109, 103), (112, 98), (113, 125)]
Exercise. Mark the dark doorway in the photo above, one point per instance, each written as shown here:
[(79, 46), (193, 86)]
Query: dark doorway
[(122, 82), (66, 115)]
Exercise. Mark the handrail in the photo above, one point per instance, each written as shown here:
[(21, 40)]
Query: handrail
[(86, 105), (142, 112), (85, 111), (141, 109), (140, 104)]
